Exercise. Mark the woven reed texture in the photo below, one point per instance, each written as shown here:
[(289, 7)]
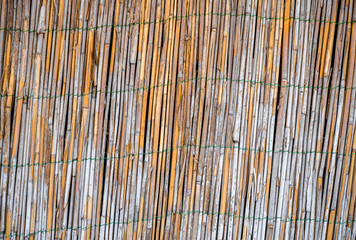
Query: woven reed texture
[(177, 119)]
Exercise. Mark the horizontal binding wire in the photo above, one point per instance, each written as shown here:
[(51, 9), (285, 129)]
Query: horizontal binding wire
[(184, 214), (177, 83), (171, 149), (177, 17)]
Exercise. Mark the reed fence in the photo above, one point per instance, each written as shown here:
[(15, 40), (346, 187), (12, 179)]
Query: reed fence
[(177, 119)]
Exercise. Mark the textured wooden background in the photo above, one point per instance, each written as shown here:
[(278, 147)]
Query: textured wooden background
[(129, 119)]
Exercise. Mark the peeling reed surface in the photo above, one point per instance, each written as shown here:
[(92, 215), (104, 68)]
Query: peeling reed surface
[(177, 119)]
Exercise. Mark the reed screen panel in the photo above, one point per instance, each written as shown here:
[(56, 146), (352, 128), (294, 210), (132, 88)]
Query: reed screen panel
[(177, 119)]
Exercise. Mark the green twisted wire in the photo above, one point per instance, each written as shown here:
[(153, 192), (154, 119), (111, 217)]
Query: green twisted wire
[(177, 17)]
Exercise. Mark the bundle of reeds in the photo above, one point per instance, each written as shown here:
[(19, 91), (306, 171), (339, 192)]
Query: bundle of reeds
[(177, 119)]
